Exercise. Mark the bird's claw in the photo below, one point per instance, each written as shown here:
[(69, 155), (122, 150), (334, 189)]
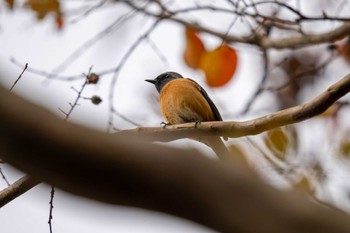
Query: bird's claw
[(196, 123), (164, 124)]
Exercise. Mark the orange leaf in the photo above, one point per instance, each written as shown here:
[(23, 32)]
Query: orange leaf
[(194, 49), (59, 21), (10, 3), (219, 65), (43, 7)]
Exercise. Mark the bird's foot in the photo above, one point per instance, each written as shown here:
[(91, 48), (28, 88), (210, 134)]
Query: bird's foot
[(196, 123), (164, 124)]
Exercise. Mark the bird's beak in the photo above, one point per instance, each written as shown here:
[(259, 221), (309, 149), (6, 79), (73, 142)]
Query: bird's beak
[(151, 81)]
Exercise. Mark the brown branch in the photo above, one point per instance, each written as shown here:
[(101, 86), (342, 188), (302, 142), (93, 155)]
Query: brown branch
[(306, 40), (262, 41), (268, 43), (16, 189), (129, 172), (235, 129), (19, 77)]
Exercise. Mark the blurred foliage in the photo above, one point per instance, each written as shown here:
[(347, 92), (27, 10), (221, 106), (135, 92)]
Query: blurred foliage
[(277, 141), (43, 8)]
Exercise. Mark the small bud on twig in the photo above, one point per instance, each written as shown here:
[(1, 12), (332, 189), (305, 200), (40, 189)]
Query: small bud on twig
[(96, 100), (93, 78)]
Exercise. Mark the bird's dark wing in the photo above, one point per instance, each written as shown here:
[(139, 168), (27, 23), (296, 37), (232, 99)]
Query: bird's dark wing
[(210, 102)]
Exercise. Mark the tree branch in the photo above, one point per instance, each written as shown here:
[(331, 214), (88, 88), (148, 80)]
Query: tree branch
[(262, 41), (306, 40), (127, 171), (235, 129), (16, 189)]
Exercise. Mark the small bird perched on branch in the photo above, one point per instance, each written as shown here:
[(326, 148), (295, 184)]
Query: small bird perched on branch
[(183, 100)]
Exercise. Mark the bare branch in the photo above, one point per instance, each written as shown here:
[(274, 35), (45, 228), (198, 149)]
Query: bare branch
[(251, 127), (133, 173), (4, 177), (79, 92), (19, 77), (306, 40), (262, 83), (112, 109), (52, 195), (260, 40), (16, 189), (284, 43)]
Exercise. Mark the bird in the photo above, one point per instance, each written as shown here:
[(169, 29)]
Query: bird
[(183, 100)]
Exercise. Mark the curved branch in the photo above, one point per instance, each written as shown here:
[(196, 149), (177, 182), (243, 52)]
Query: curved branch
[(262, 41), (127, 171), (268, 43), (235, 129), (305, 40)]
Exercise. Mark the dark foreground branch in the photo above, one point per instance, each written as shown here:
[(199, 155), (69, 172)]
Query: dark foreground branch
[(16, 189), (127, 171), (234, 129)]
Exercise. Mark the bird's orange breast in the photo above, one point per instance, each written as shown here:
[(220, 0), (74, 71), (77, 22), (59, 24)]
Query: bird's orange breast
[(182, 101)]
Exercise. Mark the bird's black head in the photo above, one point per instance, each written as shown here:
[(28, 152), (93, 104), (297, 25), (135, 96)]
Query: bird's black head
[(163, 79)]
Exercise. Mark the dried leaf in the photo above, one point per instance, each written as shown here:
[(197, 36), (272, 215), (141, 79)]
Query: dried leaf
[(219, 65), (10, 3), (345, 148), (194, 49), (277, 141), (304, 184), (44, 7), (59, 21)]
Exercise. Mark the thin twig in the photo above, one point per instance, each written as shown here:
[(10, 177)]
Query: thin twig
[(75, 103), (92, 41), (4, 177), (261, 85), (19, 77), (262, 41), (116, 74), (52, 195), (278, 167), (304, 73), (88, 11)]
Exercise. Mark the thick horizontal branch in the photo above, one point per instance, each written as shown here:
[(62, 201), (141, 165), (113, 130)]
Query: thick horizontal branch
[(234, 129), (16, 189), (127, 171)]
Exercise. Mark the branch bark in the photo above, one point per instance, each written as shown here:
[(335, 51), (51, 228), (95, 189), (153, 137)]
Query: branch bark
[(235, 129), (127, 171), (262, 42), (16, 189)]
